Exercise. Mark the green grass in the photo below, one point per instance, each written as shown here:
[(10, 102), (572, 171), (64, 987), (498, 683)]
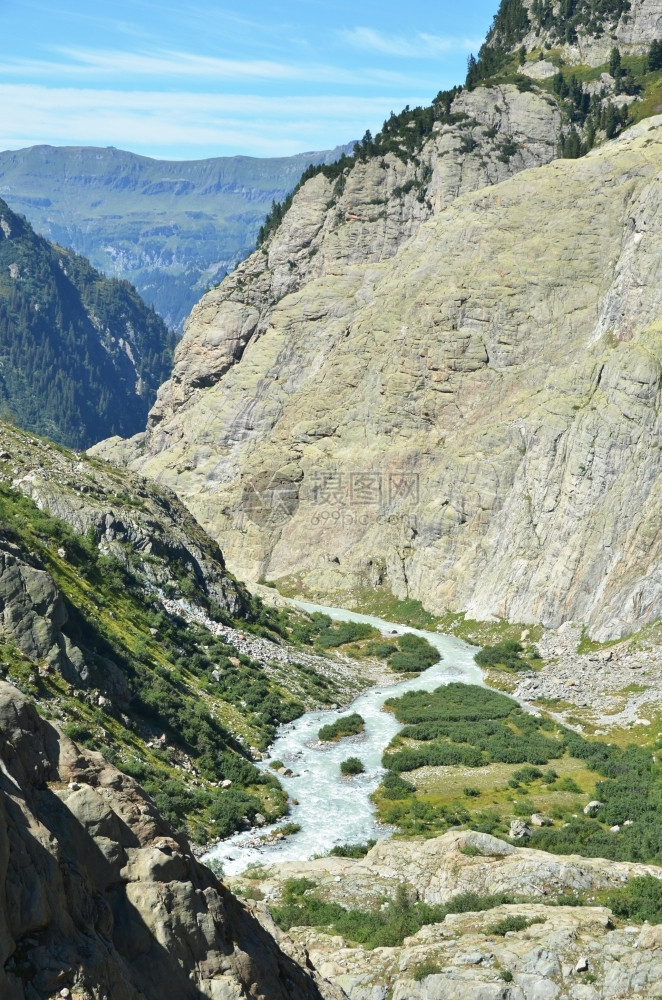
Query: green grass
[(588, 645)]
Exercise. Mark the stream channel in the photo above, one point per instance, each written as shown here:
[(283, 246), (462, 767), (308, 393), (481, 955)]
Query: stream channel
[(331, 809)]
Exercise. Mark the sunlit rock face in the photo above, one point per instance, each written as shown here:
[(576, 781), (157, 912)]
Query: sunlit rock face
[(456, 397)]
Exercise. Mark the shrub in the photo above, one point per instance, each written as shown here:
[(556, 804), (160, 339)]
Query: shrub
[(351, 766), (346, 725), (415, 654), (395, 787), (372, 928), (514, 923), (215, 865), (471, 793), (640, 899), (352, 850), (568, 785), (78, 732), (341, 633), (527, 774), (425, 969), (505, 654)]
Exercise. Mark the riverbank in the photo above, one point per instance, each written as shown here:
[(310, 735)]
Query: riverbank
[(329, 808)]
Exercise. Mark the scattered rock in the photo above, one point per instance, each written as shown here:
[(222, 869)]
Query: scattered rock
[(519, 829), (538, 819)]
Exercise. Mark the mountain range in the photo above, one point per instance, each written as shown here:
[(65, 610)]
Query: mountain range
[(170, 228)]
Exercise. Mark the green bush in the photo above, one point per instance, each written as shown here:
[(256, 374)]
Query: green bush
[(568, 784), (395, 787), (514, 923), (352, 850), (527, 774), (467, 725), (78, 732), (351, 766), (640, 899), (425, 969), (505, 655), (453, 702), (346, 725), (339, 634), (415, 654)]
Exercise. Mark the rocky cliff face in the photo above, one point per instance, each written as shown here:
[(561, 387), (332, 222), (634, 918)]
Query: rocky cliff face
[(98, 895), (364, 217), (462, 407), (586, 33)]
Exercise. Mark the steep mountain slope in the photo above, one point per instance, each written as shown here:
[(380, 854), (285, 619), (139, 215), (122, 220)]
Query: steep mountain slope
[(80, 355), (170, 228), (469, 417), (119, 619), (100, 898)]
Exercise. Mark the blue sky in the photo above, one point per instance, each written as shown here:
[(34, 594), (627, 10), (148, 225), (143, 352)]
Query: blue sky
[(203, 79)]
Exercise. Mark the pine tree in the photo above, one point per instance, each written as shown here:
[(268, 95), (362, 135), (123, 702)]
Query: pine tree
[(611, 121), (655, 56), (615, 63), (572, 145), (472, 72)]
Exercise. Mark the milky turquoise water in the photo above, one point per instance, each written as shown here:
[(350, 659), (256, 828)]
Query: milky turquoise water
[(331, 809)]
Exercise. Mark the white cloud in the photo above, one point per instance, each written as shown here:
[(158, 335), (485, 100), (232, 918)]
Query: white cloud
[(98, 64), (419, 46), (187, 124)]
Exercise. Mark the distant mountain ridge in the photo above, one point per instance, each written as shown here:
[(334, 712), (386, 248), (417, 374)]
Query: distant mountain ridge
[(80, 353), (172, 228)]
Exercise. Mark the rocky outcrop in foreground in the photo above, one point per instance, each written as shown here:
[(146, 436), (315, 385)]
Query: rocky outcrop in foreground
[(562, 952), (100, 898), (470, 417)]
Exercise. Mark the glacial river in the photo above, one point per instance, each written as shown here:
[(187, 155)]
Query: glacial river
[(331, 809)]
